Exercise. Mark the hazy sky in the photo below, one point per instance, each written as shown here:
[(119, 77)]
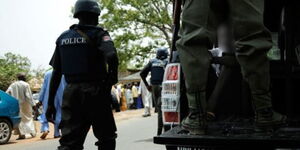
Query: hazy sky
[(31, 27)]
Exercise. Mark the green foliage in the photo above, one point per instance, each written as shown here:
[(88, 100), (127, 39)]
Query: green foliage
[(39, 72), (10, 65), (137, 27)]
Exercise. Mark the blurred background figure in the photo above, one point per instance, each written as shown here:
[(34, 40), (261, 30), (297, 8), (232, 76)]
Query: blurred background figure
[(43, 101), (135, 95), (123, 98), (115, 99), (146, 97), (21, 91), (128, 95)]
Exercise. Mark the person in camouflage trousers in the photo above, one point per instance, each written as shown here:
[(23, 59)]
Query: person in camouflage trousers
[(200, 19)]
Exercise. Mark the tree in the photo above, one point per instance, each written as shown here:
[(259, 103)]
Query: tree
[(38, 72), (10, 65), (137, 27)]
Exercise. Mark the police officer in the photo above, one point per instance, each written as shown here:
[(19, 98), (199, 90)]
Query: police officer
[(86, 56), (200, 19), (157, 68)]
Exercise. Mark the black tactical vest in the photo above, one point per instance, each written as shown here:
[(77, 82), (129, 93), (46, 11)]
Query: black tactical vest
[(82, 61), (157, 70)]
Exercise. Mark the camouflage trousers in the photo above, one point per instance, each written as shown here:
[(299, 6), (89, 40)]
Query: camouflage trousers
[(200, 19)]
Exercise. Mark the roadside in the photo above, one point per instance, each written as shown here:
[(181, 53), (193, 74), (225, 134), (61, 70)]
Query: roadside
[(119, 117), (135, 133)]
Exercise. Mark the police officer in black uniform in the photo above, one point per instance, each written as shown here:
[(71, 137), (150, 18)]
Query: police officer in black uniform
[(157, 68), (86, 56)]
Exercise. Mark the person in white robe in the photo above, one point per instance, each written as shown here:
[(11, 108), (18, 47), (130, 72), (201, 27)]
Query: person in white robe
[(128, 95), (21, 91), (146, 97)]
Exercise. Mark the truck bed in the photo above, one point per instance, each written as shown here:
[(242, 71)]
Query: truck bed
[(233, 135)]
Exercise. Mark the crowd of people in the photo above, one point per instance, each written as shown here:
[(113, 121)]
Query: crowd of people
[(130, 96)]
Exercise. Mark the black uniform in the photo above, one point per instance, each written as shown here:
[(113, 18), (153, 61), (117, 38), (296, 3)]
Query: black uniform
[(157, 68), (87, 58)]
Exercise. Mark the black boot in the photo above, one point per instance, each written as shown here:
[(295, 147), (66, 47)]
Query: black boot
[(269, 118), (195, 122)]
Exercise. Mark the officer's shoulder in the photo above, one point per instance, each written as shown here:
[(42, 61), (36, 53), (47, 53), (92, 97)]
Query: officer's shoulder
[(103, 34), (101, 30), (63, 34)]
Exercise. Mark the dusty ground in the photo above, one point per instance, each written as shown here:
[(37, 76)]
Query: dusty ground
[(119, 117)]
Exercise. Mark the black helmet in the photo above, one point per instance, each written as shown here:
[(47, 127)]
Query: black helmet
[(86, 6), (162, 53)]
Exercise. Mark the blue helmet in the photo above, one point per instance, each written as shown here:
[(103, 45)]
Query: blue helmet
[(86, 6), (162, 53)]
